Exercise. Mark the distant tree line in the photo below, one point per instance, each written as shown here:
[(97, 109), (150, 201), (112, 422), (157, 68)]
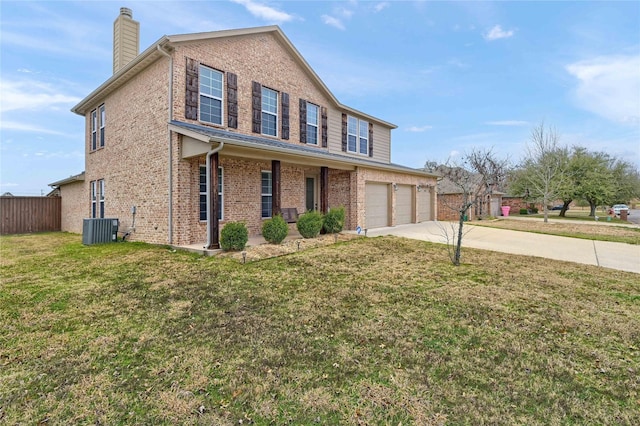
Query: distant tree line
[(551, 172)]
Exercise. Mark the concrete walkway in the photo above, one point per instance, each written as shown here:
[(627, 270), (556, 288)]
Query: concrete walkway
[(620, 256)]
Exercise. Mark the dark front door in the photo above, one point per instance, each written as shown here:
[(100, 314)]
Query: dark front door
[(310, 193)]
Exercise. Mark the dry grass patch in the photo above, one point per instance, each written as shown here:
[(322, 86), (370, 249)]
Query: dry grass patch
[(367, 331), (590, 231)]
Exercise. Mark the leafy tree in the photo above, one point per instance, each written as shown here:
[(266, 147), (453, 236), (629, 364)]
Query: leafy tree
[(626, 181)]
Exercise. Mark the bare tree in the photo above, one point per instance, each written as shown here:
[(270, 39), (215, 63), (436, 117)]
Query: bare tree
[(544, 171), (475, 177)]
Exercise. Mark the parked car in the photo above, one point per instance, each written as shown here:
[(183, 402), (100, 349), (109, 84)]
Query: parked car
[(617, 208), (558, 207)]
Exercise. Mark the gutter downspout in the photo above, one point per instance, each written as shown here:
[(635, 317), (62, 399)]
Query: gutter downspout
[(209, 198), (169, 140)]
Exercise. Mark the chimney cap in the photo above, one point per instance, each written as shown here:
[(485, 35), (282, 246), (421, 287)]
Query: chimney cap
[(126, 12)]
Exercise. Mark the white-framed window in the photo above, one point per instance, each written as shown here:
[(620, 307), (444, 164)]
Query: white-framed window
[(101, 198), (266, 195), (93, 190), (97, 195), (269, 112), (211, 95), (357, 136), (98, 120), (103, 120), (203, 193), (94, 130), (312, 123)]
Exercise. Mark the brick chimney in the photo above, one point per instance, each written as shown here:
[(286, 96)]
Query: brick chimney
[(126, 39)]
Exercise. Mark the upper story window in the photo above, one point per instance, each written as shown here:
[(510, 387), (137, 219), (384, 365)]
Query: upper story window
[(269, 112), (211, 98), (357, 136), (98, 120), (312, 123)]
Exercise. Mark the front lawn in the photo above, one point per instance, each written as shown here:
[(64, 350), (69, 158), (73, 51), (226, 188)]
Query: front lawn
[(369, 331), (573, 229)]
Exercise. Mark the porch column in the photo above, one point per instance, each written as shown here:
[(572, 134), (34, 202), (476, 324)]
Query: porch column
[(212, 208), (276, 207), (324, 190)]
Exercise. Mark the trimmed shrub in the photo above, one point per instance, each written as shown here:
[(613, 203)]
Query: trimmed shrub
[(234, 236), (309, 224), (524, 211), (334, 220), (534, 210), (275, 230)]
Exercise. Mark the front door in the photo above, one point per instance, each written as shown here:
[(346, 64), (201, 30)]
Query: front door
[(310, 193)]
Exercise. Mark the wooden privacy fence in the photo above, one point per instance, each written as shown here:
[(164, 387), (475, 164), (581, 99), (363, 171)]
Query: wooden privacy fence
[(24, 215)]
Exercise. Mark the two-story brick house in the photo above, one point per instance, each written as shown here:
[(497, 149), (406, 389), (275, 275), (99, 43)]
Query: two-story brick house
[(234, 122)]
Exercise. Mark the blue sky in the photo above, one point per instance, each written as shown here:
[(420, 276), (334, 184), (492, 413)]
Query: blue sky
[(453, 76)]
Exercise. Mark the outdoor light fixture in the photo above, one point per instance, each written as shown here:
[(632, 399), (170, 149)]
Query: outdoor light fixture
[(395, 186), (419, 188), (298, 244), (244, 257)]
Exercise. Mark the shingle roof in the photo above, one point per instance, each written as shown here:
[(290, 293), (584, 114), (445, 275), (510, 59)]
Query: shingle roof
[(291, 148)]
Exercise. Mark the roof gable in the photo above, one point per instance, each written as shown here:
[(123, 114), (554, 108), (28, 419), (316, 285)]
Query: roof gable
[(160, 47)]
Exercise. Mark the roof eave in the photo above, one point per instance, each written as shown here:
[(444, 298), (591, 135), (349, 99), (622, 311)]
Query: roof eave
[(150, 55), (71, 179), (321, 155)]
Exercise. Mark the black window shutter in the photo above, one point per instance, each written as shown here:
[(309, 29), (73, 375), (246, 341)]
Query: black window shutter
[(192, 90), (285, 115), (344, 132), (325, 136), (370, 139), (232, 100), (303, 121), (256, 102)]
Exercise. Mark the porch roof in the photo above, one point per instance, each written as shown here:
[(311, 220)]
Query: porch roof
[(211, 135)]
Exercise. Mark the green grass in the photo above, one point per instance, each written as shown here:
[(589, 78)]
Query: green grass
[(372, 331)]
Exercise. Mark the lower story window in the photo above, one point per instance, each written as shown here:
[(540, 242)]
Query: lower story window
[(97, 198), (267, 195), (203, 193)]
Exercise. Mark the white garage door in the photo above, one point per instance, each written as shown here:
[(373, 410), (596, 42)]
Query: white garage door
[(424, 204), (376, 205), (404, 204)]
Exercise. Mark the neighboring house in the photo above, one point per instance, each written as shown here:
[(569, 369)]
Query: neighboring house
[(237, 123), (450, 199)]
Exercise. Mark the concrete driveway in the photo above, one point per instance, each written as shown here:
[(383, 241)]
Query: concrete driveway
[(620, 256)]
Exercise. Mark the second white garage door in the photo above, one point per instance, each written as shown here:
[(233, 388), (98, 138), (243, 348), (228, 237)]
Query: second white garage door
[(404, 204), (377, 205)]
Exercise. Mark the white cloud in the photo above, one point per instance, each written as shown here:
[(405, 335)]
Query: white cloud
[(265, 12), (496, 33), (32, 95), (419, 128), (380, 6), (507, 123), (28, 127), (609, 86), (333, 21)]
